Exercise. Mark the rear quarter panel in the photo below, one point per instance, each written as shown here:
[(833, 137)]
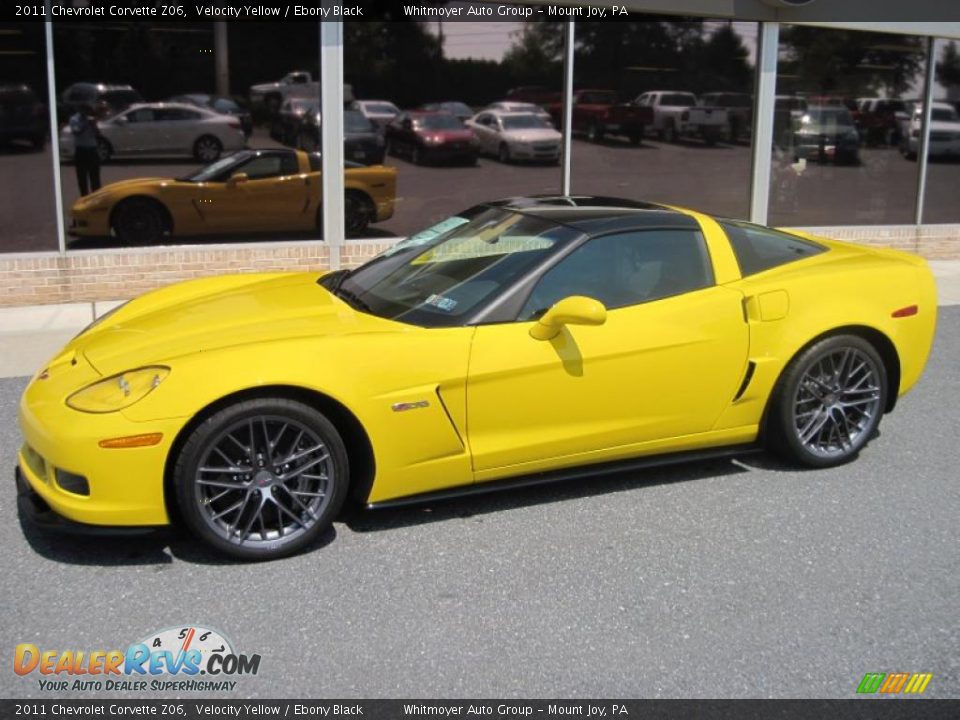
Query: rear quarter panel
[(846, 287)]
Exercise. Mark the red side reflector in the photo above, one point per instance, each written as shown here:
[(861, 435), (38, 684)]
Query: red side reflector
[(905, 311)]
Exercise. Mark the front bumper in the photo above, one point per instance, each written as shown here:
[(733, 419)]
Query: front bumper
[(34, 509)]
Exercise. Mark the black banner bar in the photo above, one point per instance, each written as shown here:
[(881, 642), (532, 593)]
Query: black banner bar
[(859, 709)]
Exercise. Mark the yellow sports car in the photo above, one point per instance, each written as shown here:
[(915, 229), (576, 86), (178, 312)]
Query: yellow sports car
[(251, 191), (522, 340)]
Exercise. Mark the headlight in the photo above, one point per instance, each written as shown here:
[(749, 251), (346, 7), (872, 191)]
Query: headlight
[(119, 391), (433, 139)]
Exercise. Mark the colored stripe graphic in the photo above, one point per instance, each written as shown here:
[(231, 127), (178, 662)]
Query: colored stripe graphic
[(893, 683), (918, 683), (871, 682)]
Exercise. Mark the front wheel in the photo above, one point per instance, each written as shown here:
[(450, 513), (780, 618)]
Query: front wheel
[(359, 211), (828, 403), (262, 479), (503, 153), (104, 150), (140, 221)]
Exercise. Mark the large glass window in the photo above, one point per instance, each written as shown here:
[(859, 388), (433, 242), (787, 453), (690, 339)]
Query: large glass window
[(424, 84), (942, 198), (142, 110), (27, 201), (842, 127), (663, 111)]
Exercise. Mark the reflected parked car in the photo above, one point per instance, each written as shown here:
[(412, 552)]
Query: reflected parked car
[(104, 98), (285, 126), (827, 134), (880, 120), (379, 112), (275, 190), (220, 104), (944, 132), (426, 136), (459, 110), (22, 115), (163, 129), (363, 142), (739, 107), (516, 136)]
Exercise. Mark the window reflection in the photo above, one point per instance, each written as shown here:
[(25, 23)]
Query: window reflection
[(943, 167), (26, 170), (663, 111), (843, 128)]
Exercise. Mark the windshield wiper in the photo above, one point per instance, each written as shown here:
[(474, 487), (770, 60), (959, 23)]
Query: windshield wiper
[(352, 299)]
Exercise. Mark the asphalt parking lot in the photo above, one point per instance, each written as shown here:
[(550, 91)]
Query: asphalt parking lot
[(710, 580), (712, 179)]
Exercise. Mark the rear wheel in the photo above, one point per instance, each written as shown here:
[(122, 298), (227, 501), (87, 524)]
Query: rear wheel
[(104, 150), (140, 221), (503, 153), (828, 403), (636, 135), (594, 133), (207, 149), (416, 155), (360, 211), (262, 479), (670, 133)]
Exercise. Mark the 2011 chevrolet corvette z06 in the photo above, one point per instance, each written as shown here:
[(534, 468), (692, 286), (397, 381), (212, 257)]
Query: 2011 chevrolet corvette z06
[(524, 339)]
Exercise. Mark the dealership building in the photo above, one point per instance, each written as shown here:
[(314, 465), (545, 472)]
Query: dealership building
[(819, 120)]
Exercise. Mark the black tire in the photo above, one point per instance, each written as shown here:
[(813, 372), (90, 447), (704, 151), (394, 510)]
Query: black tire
[(808, 402), (416, 155), (670, 133), (359, 211), (264, 486), (710, 137), (140, 221), (503, 154), (104, 150), (207, 149), (594, 133), (272, 103), (636, 135)]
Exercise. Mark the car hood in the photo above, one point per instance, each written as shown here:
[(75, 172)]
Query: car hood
[(122, 186), (945, 125), (532, 135), (219, 312)]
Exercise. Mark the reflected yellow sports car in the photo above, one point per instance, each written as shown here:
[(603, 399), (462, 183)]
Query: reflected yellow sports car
[(521, 340), (251, 191)]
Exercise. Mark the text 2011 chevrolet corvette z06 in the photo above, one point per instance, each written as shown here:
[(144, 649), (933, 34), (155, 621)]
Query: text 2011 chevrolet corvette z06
[(520, 339)]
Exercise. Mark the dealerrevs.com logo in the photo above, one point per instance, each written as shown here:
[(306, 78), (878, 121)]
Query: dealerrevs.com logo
[(177, 659)]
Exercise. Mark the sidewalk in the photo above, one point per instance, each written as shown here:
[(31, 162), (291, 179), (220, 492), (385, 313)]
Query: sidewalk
[(29, 336)]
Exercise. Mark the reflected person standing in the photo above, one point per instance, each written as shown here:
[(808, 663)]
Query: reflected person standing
[(83, 125)]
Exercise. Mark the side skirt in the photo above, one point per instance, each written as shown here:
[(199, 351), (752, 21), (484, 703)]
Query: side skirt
[(574, 473)]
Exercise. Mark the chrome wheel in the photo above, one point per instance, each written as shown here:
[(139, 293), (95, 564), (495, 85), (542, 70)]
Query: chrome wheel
[(837, 403), (263, 479), (207, 149)]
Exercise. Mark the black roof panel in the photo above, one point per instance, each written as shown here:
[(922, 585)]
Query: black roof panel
[(592, 214)]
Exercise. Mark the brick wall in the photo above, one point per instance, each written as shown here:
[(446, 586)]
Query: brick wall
[(50, 278)]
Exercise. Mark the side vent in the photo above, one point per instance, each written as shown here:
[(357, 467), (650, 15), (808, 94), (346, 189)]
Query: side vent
[(751, 366)]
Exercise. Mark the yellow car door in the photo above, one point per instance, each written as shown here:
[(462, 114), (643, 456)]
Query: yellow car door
[(665, 363), (268, 192)]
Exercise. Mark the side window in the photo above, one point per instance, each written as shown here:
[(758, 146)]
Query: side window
[(626, 269), (759, 248), (176, 114), (268, 166), (141, 115)]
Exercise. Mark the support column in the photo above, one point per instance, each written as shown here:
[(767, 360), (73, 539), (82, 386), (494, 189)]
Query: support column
[(221, 58), (763, 111), (922, 146), (331, 135), (568, 45), (54, 133)]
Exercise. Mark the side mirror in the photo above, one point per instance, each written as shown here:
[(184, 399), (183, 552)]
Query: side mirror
[(235, 180), (573, 310)]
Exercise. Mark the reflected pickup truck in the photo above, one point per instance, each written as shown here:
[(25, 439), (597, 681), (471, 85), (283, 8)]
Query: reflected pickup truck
[(598, 113), (677, 114), (294, 84)]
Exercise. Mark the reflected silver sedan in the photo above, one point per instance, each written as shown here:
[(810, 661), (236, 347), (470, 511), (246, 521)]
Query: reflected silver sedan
[(163, 129), (516, 136)]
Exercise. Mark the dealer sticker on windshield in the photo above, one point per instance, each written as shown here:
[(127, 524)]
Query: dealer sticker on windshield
[(443, 303)]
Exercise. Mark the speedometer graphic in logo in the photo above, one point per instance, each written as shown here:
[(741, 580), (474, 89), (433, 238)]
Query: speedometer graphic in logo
[(181, 640)]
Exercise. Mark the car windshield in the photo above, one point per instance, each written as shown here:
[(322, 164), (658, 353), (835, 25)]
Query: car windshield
[(356, 121), (382, 108), (441, 275), (440, 121), (457, 108), (217, 169), (523, 122)]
